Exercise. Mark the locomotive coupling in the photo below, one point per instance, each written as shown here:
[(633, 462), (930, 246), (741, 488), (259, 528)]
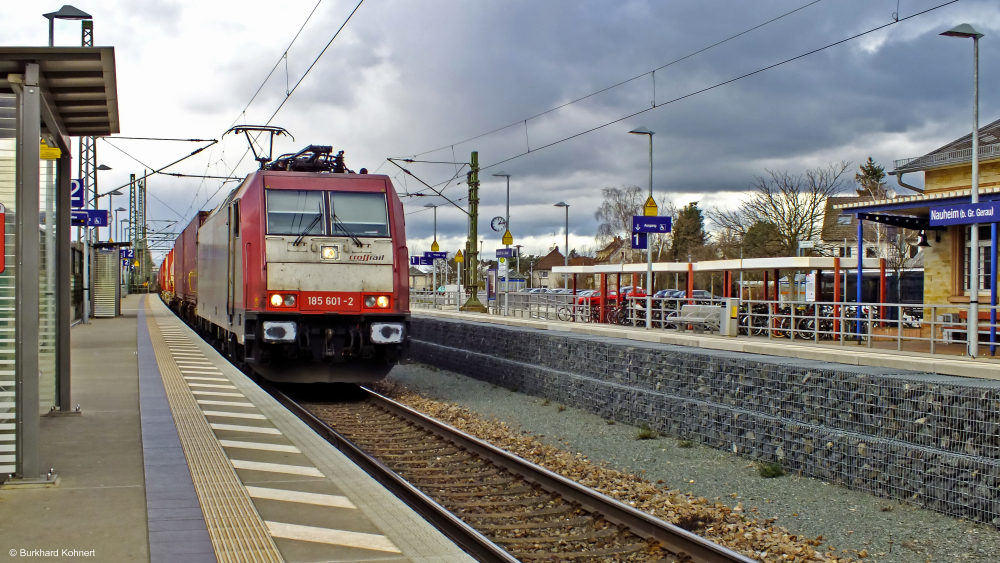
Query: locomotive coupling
[(387, 333)]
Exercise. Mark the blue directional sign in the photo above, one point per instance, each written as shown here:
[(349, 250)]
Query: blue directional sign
[(421, 261), (642, 224), (506, 252), (965, 214), (90, 218), (126, 253), (436, 255), (76, 194), (640, 241)]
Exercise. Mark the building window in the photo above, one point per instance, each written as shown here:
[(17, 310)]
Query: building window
[(985, 259), (544, 273), (844, 219)]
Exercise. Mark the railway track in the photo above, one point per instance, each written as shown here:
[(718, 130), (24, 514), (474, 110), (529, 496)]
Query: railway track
[(497, 506)]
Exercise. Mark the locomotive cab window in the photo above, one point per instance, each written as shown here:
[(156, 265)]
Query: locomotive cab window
[(358, 214), (295, 212)]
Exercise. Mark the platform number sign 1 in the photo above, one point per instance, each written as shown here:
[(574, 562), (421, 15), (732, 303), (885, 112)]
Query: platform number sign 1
[(640, 241), (76, 194)]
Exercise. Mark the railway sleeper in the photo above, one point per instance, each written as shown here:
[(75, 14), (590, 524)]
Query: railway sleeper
[(620, 550), (476, 485), (491, 493), (533, 501), (436, 461), (568, 538), (566, 523)]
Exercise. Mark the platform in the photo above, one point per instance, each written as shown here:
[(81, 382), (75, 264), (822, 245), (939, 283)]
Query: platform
[(180, 457), (848, 354)]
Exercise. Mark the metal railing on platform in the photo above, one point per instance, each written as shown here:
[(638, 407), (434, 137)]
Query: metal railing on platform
[(933, 328)]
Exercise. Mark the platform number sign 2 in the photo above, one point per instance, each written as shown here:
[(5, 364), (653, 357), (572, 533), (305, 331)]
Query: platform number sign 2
[(76, 194)]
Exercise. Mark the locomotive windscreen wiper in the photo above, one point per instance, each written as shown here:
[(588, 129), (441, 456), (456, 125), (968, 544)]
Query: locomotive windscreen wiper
[(343, 227), (311, 226)]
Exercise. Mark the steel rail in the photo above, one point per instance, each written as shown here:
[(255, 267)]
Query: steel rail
[(474, 543), (674, 539)]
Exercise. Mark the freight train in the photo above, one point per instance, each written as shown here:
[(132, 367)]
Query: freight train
[(301, 273)]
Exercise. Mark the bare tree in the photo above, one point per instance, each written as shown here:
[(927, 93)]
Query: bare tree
[(794, 204), (614, 216)]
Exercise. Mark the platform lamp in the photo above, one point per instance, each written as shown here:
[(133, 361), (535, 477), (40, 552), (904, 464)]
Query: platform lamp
[(506, 226), (649, 247), (965, 31), (118, 231), (434, 248), (566, 250), (67, 12)]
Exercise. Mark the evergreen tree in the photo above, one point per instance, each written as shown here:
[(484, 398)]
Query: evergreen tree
[(871, 180), (688, 232)]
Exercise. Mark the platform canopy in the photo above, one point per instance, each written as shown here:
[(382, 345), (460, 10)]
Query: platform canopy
[(79, 88), (746, 264)]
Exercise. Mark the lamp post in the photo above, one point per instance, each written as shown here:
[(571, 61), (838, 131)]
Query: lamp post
[(434, 248), (565, 256), (118, 230), (965, 31), (649, 247), (64, 13), (506, 226)]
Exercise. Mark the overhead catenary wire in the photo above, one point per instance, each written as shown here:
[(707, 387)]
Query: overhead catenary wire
[(623, 82), (709, 88)]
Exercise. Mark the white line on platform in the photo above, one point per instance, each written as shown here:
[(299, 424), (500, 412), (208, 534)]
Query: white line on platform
[(217, 394), (259, 446), (251, 429), (195, 378), (335, 501), (248, 415), (276, 468), (211, 386), (193, 363), (200, 371), (226, 403), (332, 537)]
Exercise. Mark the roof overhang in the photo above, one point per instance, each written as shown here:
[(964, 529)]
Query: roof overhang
[(782, 263), (920, 205), (79, 87)]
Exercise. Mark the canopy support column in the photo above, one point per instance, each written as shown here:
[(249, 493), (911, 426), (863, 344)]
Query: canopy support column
[(604, 297), (836, 296), (858, 277), (882, 291), (690, 283), (993, 289)]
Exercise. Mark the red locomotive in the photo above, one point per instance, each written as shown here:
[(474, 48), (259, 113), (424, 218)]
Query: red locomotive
[(301, 273)]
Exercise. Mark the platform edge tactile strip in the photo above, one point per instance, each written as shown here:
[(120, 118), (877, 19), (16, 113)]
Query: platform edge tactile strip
[(237, 531), (417, 539)]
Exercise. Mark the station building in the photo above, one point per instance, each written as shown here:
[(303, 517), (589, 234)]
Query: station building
[(947, 181)]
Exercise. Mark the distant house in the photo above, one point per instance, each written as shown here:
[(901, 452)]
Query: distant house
[(613, 252), (839, 236), (541, 273), (419, 280)]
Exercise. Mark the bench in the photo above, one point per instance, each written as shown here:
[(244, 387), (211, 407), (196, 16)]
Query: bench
[(700, 317)]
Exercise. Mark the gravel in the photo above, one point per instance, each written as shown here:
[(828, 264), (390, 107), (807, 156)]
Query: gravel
[(850, 521)]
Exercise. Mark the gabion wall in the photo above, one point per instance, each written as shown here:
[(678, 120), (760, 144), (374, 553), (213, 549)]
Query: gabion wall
[(926, 439)]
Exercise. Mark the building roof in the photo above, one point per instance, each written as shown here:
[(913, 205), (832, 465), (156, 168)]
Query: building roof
[(417, 272), (838, 225), (958, 151), (79, 86), (608, 253), (550, 260), (582, 261)]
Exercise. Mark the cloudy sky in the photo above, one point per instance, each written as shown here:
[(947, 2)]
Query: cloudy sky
[(404, 78)]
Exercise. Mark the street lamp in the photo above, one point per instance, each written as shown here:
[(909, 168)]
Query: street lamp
[(965, 31), (649, 247), (566, 250), (65, 13), (118, 223), (434, 248), (506, 226)]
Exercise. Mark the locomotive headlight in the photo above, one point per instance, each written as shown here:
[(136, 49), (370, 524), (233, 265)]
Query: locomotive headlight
[(330, 253), (277, 300), (382, 301), (369, 301)]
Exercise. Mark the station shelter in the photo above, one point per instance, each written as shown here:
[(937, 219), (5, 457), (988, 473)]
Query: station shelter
[(947, 175), (47, 96)]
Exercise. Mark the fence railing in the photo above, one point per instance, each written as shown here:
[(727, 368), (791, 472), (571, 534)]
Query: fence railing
[(933, 328)]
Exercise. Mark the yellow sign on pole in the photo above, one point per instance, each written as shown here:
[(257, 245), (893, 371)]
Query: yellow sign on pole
[(501, 260), (45, 152), (507, 238), (459, 257), (435, 247), (650, 209)]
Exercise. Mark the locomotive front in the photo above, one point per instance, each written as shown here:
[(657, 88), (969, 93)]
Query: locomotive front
[(332, 307), (304, 275)]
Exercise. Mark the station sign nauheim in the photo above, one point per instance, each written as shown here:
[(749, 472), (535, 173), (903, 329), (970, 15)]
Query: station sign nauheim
[(965, 214)]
